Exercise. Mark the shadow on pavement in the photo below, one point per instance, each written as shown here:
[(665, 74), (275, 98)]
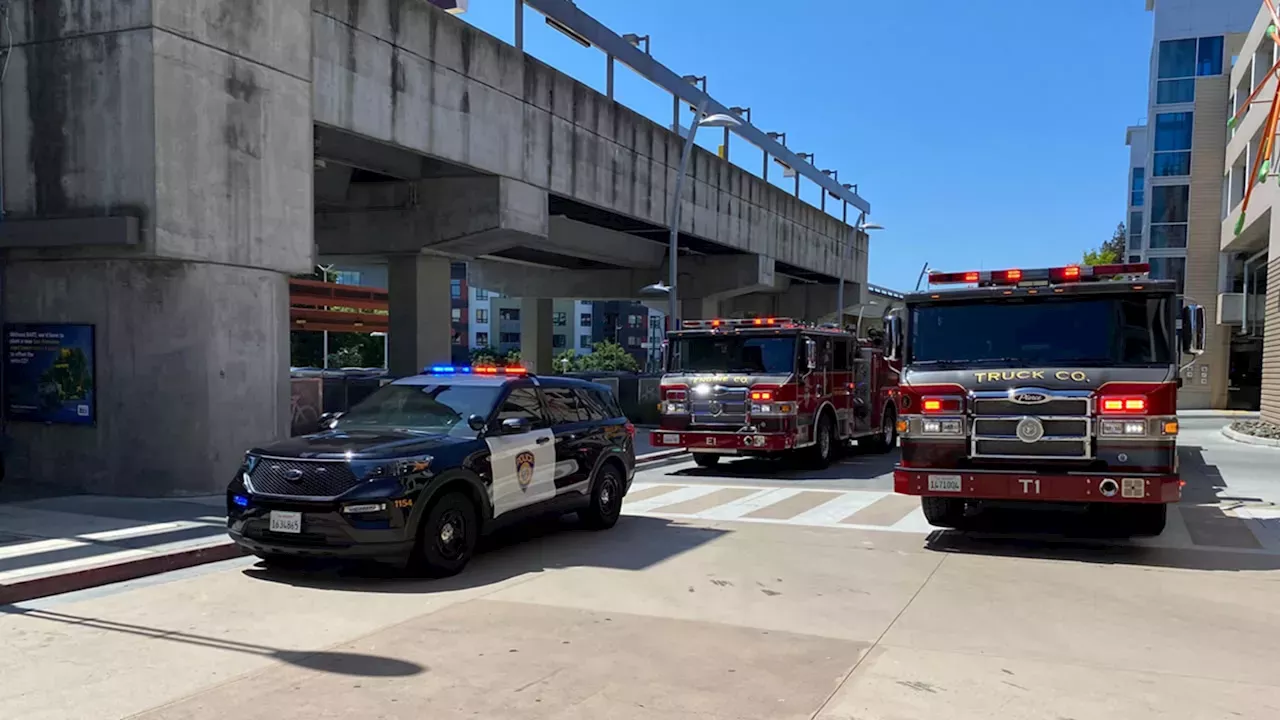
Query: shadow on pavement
[(635, 543), (854, 464), (343, 663)]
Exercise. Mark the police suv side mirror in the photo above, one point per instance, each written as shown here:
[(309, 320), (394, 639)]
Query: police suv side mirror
[(893, 337), (476, 422), (330, 419), (1193, 329), (810, 354), (515, 426)]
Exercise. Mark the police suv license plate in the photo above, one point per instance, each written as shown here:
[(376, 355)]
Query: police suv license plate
[(944, 483), (283, 521)]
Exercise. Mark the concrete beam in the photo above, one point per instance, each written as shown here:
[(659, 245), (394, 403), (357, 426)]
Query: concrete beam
[(520, 280), (807, 302), (726, 276), (466, 217), (570, 237), (419, 322)]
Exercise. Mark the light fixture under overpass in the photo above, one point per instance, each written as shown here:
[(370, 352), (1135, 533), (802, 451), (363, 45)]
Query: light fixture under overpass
[(862, 227), (453, 7)]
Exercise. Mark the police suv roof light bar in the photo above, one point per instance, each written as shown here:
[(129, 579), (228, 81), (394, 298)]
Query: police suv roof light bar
[(738, 323), (1065, 274), (477, 370)]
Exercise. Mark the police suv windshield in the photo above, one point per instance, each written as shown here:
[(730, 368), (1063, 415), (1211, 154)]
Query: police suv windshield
[(435, 407), (1120, 330), (729, 353)]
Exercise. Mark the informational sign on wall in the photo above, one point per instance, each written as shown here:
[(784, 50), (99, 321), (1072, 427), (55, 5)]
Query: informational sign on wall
[(49, 373)]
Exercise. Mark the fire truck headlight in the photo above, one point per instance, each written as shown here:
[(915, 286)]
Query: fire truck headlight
[(676, 408), (931, 427), (1120, 428), (951, 427), (940, 426)]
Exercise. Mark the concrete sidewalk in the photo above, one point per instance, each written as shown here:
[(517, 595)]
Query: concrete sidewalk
[(60, 543)]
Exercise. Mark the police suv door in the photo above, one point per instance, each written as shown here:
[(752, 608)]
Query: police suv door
[(577, 444), (523, 463)]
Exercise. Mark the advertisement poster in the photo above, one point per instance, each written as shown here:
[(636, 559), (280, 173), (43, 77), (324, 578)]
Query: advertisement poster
[(49, 373)]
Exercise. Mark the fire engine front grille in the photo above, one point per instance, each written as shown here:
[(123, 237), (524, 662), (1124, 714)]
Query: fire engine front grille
[(1008, 426), (723, 406), (1054, 406), (296, 478), (1077, 449), (1032, 423)]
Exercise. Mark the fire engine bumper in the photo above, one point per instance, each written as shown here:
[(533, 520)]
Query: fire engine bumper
[(722, 442), (1047, 487)]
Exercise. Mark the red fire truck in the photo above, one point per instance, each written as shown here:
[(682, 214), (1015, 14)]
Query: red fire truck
[(1055, 385), (768, 386)]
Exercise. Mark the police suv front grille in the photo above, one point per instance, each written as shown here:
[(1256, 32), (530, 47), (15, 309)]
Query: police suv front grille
[(723, 407), (299, 478)]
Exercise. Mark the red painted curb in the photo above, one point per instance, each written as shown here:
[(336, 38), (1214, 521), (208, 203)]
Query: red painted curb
[(22, 590)]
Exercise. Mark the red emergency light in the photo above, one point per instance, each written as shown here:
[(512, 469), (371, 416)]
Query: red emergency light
[(738, 323), (1014, 276)]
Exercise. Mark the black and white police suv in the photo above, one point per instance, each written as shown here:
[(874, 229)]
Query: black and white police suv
[(422, 468)]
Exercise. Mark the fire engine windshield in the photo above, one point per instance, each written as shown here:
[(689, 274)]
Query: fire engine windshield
[(1129, 330), (727, 353)]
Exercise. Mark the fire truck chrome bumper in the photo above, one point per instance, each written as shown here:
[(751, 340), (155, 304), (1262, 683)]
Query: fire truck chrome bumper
[(1053, 487), (721, 442)]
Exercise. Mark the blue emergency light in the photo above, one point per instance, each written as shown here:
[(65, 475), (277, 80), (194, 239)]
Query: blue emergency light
[(468, 370), (240, 500)]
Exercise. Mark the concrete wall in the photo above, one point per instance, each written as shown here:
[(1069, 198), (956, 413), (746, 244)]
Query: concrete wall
[(192, 116), (410, 75)]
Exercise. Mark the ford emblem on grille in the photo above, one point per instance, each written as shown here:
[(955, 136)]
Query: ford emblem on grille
[(1030, 398), (293, 474)]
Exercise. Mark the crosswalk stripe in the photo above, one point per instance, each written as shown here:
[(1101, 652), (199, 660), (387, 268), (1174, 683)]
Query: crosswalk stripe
[(885, 512), (706, 502), (838, 508), (789, 508), (738, 508), (679, 494), (914, 522)]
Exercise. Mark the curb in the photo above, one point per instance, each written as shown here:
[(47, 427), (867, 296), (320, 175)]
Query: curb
[(23, 590), (1249, 439)]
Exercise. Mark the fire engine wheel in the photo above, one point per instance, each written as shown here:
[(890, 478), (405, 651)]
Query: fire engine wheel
[(885, 440), (1145, 520), (944, 512), (824, 447), (706, 460)]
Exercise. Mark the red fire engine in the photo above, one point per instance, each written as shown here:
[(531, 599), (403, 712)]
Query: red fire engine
[(1053, 385), (768, 386)]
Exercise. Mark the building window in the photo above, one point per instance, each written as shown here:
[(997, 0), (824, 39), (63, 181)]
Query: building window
[(1170, 92), (1169, 203), (455, 288), (557, 341), (1209, 56), (482, 339), (584, 319), (482, 315), (509, 338), (482, 294), (1135, 231), (1183, 60), (559, 319), (1177, 59), (1136, 194), (1135, 258), (635, 321), (455, 314), (347, 277), (633, 341), (509, 314), (1168, 236), (584, 342), (1173, 144), (1170, 268)]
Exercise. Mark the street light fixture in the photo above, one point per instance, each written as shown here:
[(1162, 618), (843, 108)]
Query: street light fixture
[(740, 112), (834, 175), (776, 137), (863, 227), (631, 39), (700, 119), (807, 157)]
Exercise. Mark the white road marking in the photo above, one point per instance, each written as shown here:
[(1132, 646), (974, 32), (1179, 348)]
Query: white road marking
[(838, 508), (737, 508), (680, 494)]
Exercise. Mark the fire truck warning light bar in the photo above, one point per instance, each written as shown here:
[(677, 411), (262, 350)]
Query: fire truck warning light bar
[(739, 323), (1069, 273)]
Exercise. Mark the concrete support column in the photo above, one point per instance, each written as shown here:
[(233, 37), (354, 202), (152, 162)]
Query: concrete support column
[(535, 334), (420, 321)]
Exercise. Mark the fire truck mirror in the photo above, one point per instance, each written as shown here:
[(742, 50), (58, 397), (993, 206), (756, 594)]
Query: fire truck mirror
[(810, 354), (1193, 329), (893, 336)]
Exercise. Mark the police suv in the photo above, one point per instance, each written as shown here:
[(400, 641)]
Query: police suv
[(417, 472)]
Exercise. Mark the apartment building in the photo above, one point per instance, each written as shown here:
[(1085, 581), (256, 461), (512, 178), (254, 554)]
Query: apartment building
[(1174, 189), (1251, 275)]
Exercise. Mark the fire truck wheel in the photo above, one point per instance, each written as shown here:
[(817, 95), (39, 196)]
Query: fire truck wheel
[(824, 448), (1146, 520), (944, 512), (706, 460), (887, 438)]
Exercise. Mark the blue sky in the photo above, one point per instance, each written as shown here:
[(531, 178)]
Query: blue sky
[(986, 137)]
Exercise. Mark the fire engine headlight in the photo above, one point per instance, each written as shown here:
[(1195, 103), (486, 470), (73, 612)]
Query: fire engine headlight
[(939, 426), (675, 408), (773, 408), (1121, 428)]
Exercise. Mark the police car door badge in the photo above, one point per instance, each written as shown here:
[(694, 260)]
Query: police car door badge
[(524, 469)]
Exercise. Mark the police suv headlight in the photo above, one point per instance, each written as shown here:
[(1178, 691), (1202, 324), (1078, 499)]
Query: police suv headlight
[(376, 470), (941, 426), (1122, 428)]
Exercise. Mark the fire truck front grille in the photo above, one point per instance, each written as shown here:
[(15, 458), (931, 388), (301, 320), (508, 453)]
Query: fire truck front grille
[(722, 407), (1008, 427), (1032, 424), (1054, 406), (1056, 449)]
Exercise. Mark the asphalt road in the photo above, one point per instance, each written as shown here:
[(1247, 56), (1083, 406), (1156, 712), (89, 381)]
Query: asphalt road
[(750, 591)]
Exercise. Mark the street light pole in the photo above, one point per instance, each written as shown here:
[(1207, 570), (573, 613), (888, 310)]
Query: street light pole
[(861, 228), (673, 249)]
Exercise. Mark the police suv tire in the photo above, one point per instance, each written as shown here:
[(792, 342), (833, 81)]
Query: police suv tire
[(944, 512), (281, 561), (447, 536), (1146, 519), (606, 499), (706, 460), (817, 457)]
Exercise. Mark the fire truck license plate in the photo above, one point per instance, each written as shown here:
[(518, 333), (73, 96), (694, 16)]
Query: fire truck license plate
[(944, 483), (670, 439)]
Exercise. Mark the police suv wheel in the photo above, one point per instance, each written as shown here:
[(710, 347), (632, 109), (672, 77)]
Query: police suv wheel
[(447, 536), (606, 499)]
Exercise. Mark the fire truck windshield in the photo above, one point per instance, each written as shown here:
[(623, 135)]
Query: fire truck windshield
[(734, 353), (1119, 330)]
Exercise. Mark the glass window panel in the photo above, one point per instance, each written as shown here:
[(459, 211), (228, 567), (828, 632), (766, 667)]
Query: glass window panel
[(1169, 92), (1174, 268), (1171, 164), (1177, 59), (1169, 203), (1168, 236), (1173, 131), (1209, 57)]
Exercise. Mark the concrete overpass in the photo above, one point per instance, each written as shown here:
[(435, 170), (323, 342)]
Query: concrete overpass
[(166, 164)]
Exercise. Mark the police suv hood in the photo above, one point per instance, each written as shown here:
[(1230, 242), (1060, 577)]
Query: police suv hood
[(736, 379), (357, 444), (1047, 378)]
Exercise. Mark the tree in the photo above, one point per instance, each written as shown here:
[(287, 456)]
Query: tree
[(1111, 251), (567, 361), (484, 356), (609, 355)]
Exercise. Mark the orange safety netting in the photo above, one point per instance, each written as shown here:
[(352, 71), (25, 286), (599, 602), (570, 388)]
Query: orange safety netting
[(1262, 158)]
